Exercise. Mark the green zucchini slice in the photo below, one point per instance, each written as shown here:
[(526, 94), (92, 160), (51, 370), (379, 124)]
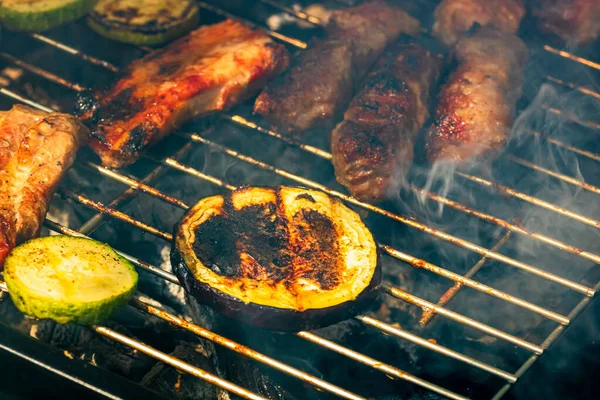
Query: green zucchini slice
[(144, 22), (40, 15), (68, 279)]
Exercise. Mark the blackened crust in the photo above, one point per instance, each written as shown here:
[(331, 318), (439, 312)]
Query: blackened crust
[(272, 318), (220, 247)]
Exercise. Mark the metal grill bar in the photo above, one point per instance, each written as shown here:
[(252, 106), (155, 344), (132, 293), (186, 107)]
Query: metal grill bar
[(41, 72), (304, 17), (570, 117), (276, 35), (241, 121), (391, 330), (426, 306), (405, 220), (570, 85), (388, 369), (134, 184), (318, 152), (420, 263), (136, 302), (170, 360), (301, 15), (177, 363), (75, 52), (563, 145), (514, 228), (415, 262), (139, 186), (241, 349), (530, 199), (572, 57), (458, 206), (18, 97), (552, 337), (90, 225), (557, 175), (453, 291), (121, 216), (395, 292), (386, 328)]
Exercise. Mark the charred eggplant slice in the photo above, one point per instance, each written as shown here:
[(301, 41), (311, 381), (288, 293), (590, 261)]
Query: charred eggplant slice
[(144, 22), (281, 258)]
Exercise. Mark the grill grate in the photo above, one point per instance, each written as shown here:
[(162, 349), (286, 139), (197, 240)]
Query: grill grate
[(430, 309)]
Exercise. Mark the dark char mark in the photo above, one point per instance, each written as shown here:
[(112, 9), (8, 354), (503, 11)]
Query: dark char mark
[(285, 251)]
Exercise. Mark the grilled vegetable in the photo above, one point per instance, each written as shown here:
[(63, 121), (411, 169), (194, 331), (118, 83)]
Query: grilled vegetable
[(277, 258), (40, 15), (143, 21), (68, 279)]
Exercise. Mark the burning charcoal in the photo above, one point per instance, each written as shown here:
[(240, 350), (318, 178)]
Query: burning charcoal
[(174, 384), (339, 331), (82, 343), (255, 379)]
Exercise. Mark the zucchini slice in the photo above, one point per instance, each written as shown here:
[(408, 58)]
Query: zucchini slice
[(68, 279), (40, 15), (144, 22)]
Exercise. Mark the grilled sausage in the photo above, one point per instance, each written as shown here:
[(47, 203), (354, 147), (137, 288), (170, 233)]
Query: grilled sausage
[(455, 17), (373, 146), (476, 105), (209, 70), (36, 149), (321, 81)]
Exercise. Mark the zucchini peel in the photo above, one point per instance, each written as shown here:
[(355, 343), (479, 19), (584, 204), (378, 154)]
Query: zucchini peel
[(41, 15), (69, 279)]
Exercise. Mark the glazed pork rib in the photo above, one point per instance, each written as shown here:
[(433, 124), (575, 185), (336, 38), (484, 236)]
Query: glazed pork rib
[(374, 145), (322, 80), (209, 70), (574, 21), (476, 105), (36, 150), (455, 17)]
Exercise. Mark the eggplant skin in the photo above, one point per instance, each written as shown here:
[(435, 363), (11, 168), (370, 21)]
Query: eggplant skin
[(250, 255), (273, 318)]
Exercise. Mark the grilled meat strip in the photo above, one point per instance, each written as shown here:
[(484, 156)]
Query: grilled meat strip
[(574, 21), (321, 81), (211, 69), (374, 144), (455, 17), (36, 149), (476, 105)]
